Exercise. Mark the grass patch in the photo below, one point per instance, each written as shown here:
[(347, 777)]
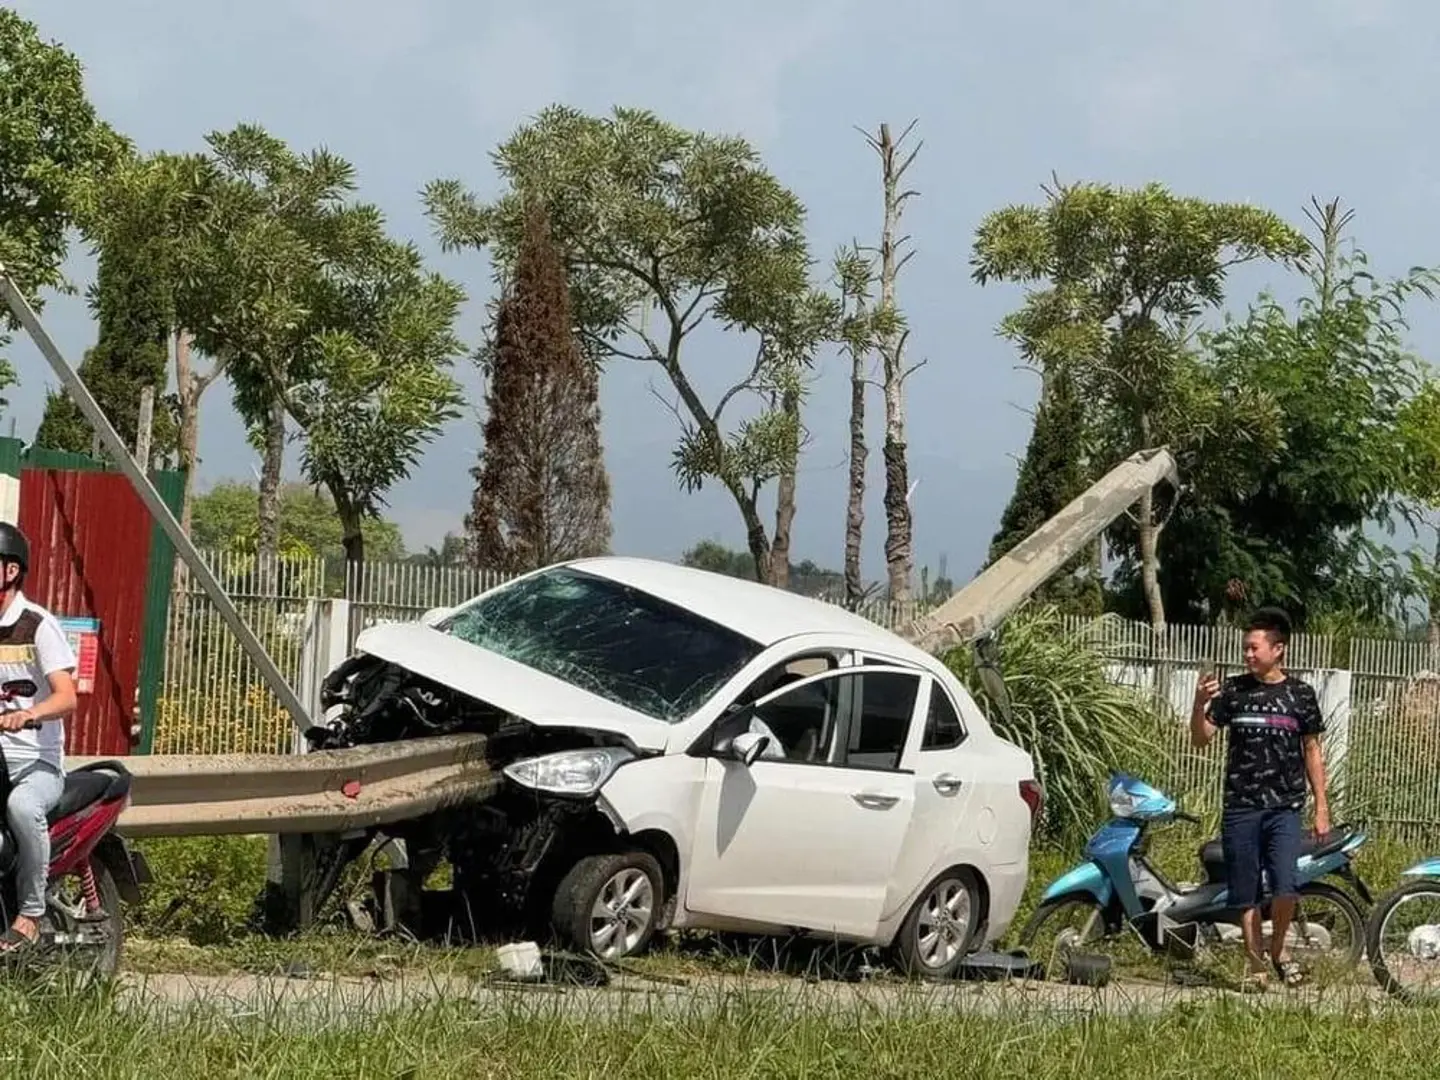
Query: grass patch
[(97, 1035)]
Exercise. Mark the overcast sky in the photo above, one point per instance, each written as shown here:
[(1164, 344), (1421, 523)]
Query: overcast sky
[(1269, 102)]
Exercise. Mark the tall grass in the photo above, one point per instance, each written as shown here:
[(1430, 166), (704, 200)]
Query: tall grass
[(1077, 724)]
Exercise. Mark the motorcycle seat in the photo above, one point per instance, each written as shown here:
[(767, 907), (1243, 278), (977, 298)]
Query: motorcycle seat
[(1212, 853), (100, 781)]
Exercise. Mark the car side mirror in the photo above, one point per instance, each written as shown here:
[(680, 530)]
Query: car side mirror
[(748, 746)]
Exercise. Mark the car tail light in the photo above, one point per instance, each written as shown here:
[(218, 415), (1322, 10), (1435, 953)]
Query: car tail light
[(1034, 796)]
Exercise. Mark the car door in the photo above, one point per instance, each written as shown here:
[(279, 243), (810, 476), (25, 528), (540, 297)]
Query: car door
[(810, 839), (949, 796)]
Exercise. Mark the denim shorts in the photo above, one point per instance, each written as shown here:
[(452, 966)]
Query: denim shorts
[(1256, 841)]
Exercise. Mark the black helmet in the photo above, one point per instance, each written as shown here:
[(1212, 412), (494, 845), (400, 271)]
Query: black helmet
[(13, 546)]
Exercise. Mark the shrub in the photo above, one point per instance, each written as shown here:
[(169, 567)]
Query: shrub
[(1076, 723), (205, 887)]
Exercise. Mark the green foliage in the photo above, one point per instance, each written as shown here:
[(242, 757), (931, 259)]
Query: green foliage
[(654, 218), (226, 518), (1076, 723), (50, 138), (205, 887), (133, 300), (1052, 473), (1284, 519), (1123, 273)]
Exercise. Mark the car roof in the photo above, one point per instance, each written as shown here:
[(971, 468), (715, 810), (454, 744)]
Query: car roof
[(762, 613)]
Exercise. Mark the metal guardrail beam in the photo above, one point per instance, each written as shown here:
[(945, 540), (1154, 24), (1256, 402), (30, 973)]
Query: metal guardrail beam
[(120, 453), (320, 792)]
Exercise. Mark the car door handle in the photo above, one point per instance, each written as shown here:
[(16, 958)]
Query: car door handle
[(946, 784), (871, 801)]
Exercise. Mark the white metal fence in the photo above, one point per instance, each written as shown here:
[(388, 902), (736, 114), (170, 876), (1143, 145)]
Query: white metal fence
[(1382, 698)]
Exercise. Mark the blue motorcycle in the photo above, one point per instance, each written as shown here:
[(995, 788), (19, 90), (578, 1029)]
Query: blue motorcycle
[(1402, 935), (1117, 892)]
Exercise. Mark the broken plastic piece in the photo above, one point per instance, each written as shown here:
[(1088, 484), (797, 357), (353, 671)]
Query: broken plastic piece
[(351, 789)]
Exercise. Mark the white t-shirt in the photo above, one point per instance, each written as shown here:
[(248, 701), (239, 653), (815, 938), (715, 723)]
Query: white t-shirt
[(32, 648)]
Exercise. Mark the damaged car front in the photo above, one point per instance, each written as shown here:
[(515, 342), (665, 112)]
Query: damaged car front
[(572, 677)]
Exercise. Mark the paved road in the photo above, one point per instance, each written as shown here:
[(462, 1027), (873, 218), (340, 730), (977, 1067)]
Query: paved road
[(355, 997)]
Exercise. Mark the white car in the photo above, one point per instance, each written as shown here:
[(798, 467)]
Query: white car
[(683, 749)]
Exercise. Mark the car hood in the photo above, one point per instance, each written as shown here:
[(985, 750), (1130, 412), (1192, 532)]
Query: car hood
[(507, 684)]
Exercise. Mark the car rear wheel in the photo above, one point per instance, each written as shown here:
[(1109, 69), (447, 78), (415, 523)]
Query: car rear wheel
[(609, 905), (940, 929)]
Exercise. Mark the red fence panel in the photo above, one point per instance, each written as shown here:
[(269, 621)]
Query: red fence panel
[(90, 550)]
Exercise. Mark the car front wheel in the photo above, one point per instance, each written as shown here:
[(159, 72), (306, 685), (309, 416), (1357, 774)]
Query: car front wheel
[(609, 905), (940, 928)]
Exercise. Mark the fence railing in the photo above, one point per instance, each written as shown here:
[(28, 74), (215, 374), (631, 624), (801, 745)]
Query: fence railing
[(1382, 698)]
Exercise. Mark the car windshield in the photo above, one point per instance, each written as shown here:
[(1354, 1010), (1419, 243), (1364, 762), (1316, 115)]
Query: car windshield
[(615, 641)]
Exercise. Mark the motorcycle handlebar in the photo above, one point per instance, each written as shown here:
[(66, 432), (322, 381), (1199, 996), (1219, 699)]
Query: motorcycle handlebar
[(1180, 815)]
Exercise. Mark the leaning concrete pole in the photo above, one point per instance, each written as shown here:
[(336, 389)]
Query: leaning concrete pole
[(984, 603), (120, 453)]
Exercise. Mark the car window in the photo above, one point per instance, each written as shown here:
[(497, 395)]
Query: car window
[(887, 703), (943, 730), (802, 722), (606, 637)]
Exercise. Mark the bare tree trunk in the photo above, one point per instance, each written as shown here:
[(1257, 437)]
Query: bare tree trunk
[(190, 388), (267, 544), (145, 428), (899, 544), (785, 500), (1150, 563), (855, 507), (352, 539)]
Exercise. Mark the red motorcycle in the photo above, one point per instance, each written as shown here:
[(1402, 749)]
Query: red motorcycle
[(91, 867)]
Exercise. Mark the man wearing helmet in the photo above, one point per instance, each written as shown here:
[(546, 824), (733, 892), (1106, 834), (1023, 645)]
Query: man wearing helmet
[(37, 690)]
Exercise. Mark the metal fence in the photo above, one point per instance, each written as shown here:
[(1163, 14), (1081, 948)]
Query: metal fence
[(1382, 698)]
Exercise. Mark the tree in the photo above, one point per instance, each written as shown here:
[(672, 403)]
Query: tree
[(1284, 522), (279, 217), (226, 518), (451, 552), (542, 494), (805, 577), (857, 325), (652, 217), (1125, 272), (134, 302), (370, 382), (1052, 473), (50, 139), (899, 532), (1420, 437)]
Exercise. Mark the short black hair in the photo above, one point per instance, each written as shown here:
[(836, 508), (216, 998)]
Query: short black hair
[(1274, 622)]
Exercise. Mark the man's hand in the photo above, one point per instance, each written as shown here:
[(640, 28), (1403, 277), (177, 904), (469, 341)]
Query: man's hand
[(1322, 822), (1206, 689), (14, 721)]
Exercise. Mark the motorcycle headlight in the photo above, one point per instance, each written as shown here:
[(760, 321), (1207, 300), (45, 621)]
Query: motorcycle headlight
[(569, 772), (1122, 802)]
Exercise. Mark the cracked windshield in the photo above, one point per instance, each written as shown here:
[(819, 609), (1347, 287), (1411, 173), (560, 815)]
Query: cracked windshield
[(614, 641)]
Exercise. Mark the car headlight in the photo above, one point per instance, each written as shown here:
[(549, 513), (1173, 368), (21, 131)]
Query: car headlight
[(569, 772)]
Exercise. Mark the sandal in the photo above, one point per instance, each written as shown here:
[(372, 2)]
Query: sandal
[(1290, 972), (13, 941)]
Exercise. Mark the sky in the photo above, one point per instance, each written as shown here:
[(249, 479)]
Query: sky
[(1270, 102)]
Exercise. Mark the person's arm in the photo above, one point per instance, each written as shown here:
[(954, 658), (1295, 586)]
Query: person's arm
[(1206, 712), (56, 661), (1312, 727)]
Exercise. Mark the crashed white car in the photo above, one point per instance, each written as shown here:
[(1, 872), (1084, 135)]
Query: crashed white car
[(682, 749)]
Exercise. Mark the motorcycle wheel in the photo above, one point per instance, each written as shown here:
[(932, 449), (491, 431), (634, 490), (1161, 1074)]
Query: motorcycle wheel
[(1074, 922), (1391, 977), (67, 918)]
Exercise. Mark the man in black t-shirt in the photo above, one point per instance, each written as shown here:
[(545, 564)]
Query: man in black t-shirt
[(1273, 724)]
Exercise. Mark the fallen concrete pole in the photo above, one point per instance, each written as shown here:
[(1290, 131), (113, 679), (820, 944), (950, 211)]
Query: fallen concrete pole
[(327, 791), (1007, 583)]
